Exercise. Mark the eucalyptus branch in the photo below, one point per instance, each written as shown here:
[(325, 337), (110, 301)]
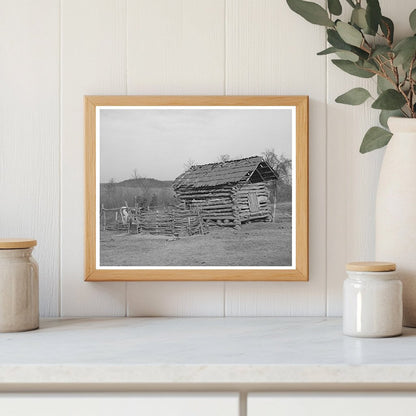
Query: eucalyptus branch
[(383, 36), (366, 47), (369, 46), (395, 71), (406, 97), (385, 75), (372, 71), (412, 85)]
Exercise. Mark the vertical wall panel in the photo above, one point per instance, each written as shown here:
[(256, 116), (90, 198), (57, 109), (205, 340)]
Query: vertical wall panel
[(29, 134), (272, 51), (352, 177), (93, 62), (175, 299), (175, 47)]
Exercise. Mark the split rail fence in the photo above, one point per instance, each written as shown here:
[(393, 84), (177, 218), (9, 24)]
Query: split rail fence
[(175, 221)]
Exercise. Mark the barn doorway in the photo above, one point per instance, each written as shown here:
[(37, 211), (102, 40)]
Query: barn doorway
[(253, 202)]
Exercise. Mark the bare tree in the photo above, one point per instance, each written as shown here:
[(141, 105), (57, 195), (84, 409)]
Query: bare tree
[(135, 174), (146, 190), (281, 164), (270, 156), (110, 194), (284, 169), (281, 188), (223, 158)]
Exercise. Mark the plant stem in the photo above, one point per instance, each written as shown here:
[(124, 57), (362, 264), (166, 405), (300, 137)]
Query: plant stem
[(412, 86)]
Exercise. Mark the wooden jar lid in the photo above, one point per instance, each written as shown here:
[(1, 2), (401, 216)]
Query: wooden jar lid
[(371, 266), (11, 243)]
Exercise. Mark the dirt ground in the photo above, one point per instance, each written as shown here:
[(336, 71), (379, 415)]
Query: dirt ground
[(256, 244)]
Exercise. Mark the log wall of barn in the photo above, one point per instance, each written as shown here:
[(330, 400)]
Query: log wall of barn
[(246, 211), (215, 204)]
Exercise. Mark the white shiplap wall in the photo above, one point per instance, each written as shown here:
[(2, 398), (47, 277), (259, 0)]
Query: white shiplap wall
[(54, 52), (30, 134)]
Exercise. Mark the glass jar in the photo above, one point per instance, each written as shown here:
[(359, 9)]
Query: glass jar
[(372, 300), (19, 286)]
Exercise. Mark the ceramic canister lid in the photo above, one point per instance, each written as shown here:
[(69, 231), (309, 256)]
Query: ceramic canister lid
[(371, 266), (12, 243)]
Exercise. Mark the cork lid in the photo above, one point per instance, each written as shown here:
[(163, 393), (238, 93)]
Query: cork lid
[(371, 266), (11, 243)]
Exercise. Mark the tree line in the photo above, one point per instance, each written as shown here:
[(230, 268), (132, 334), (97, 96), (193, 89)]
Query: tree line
[(143, 192)]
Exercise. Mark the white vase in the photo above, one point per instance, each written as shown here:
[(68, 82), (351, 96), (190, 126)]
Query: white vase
[(396, 210)]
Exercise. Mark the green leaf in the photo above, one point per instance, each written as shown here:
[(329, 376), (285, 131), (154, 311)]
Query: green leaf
[(311, 12), (358, 18), (389, 100), (350, 56), (381, 50), (334, 7), (349, 34), (370, 65), (383, 84), (375, 138), (373, 15), (327, 51), (405, 50), (386, 114), (387, 27), (336, 41), (412, 20), (347, 55), (352, 68), (356, 96)]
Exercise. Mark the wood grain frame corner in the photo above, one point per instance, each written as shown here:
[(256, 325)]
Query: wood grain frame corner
[(301, 272)]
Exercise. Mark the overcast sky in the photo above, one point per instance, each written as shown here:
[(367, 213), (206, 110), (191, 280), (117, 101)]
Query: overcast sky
[(158, 142)]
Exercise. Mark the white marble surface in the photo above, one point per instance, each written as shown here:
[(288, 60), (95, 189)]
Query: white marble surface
[(179, 351)]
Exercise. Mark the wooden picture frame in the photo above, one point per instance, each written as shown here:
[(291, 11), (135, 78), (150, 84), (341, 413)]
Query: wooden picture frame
[(297, 271)]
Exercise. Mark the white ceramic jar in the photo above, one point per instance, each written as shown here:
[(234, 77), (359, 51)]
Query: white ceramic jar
[(372, 300), (19, 286)]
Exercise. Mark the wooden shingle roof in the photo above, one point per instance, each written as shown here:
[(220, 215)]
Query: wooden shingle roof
[(222, 173)]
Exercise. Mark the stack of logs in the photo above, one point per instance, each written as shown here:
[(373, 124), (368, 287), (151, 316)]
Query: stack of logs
[(216, 205), (229, 205)]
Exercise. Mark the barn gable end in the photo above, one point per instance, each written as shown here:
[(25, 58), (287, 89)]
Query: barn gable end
[(228, 193)]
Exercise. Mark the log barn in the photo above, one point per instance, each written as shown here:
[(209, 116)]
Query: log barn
[(228, 193)]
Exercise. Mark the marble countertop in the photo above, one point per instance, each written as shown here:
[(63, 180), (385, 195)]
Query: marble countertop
[(203, 351)]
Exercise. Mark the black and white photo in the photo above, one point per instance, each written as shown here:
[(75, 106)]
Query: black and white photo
[(195, 187)]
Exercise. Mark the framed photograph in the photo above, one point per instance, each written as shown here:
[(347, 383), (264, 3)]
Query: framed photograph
[(196, 188)]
